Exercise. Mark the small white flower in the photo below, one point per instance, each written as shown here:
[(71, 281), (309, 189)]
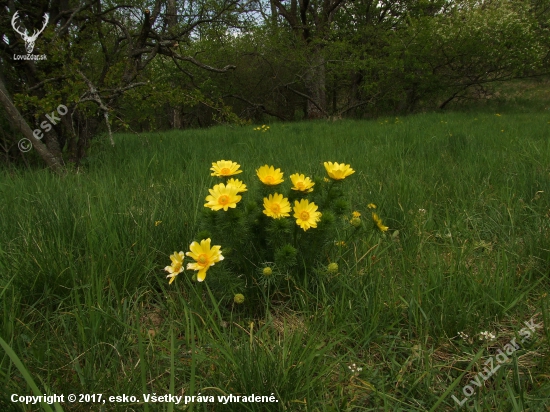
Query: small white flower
[(486, 336), (354, 369)]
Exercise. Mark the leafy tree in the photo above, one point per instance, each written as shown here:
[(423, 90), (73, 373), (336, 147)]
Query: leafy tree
[(97, 52)]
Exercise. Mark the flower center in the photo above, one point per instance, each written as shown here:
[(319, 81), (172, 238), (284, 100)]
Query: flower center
[(301, 186), (202, 260), (275, 208), (223, 200), (176, 267), (269, 179), (304, 215), (225, 171)]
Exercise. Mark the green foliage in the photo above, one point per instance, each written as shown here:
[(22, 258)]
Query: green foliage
[(84, 299), (430, 53), (370, 58)]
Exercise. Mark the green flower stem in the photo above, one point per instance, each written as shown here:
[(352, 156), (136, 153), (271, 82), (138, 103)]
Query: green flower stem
[(267, 190), (332, 183)]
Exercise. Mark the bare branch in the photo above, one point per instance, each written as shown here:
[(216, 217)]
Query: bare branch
[(309, 98), (94, 96), (201, 65), (117, 92), (42, 83), (257, 106), (70, 19)]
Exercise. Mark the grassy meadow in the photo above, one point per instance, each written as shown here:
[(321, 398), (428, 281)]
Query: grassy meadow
[(87, 309)]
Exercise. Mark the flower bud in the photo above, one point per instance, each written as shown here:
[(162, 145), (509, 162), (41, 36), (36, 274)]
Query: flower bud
[(355, 222), (332, 267), (267, 271), (239, 298)]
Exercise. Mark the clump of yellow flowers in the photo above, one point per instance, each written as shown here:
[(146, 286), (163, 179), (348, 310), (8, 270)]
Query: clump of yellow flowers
[(262, 128), (271, 228)]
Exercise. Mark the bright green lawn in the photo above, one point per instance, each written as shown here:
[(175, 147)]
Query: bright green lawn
[(81, 272)]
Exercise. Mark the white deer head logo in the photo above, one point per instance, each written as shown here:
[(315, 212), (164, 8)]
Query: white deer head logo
[(29, 40)]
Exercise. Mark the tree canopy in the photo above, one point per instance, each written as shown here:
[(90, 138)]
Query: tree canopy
[(158, 64)]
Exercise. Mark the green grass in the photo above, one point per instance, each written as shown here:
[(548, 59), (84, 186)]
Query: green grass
[(86, 307)]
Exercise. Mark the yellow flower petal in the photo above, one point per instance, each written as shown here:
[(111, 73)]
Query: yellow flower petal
[(301, 183), (222, 197), (176, 267), (269, 175), (306, 214), (225, 168), (201, 275), (378, 222), (276, 206), (241, 187), (204, 256), (338, 171)]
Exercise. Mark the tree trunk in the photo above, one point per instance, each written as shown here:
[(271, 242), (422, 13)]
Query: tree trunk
[(274, 14), (316, 86), (19, 123), (171, 14), (176, 124)]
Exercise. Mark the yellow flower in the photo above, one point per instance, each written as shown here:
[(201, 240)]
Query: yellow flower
[(222, 197), (371, 206), (225, 168), (241, 187), (338, 171), (301, 183), (269, 175), (205, 256), (267, 271), (306, 214), (158, 222), (176, 267), (340, 243), (356, 214), (276, 206), (378, 222)]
